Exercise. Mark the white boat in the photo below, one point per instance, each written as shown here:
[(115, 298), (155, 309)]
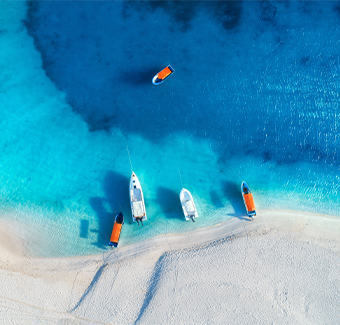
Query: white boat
[(137, 200), (188, 205)]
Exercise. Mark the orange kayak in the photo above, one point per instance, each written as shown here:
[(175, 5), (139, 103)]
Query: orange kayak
[(248, 200), (117, 228), (162, 75)]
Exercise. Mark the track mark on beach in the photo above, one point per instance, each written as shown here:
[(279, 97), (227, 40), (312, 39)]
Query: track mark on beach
[(108, 301), (111, 258), (166, 238), (71, 294), (152, 288), (98, 298), (69, 316), (90, 287), (247, 247)]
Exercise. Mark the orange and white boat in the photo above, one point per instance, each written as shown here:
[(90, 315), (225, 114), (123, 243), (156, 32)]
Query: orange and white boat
[(248, 200), (117, 228), (162, 75)]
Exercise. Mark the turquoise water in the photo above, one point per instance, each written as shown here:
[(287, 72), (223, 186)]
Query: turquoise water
[(255, 97)]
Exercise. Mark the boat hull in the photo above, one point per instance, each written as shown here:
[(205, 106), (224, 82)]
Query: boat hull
[(248, 200), (137, 199), (116, 231), (162, 75), (188, 205)]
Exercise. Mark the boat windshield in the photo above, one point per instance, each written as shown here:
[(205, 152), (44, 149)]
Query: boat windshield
[(136, 195)]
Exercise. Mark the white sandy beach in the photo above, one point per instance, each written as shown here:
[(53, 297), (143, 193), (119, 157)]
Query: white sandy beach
[(281, 268)]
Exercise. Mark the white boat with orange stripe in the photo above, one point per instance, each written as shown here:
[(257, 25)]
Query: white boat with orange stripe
[(248, 200), (162, 75)]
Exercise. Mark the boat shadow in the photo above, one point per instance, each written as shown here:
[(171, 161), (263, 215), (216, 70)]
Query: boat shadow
[(84, 228), (142, 77), (170, 203), (216, 200), (232, 191), (116, 189)]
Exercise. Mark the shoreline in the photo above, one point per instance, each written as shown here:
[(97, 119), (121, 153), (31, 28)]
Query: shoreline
[(322, 229), (277, 248), (308, 223)]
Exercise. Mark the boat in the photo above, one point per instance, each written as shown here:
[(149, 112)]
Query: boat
[(248, 200), (188, 205), (117, 228), (162, 75), (137, 200)]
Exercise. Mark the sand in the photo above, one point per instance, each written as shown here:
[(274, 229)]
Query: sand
[(281, 268)]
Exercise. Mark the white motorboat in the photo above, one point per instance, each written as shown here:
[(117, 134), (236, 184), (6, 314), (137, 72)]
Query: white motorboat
[(188, 205), (137, 200)]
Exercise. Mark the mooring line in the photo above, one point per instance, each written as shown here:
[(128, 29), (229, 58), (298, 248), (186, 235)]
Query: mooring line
[(179, 171), (235, 173), (127, 149)]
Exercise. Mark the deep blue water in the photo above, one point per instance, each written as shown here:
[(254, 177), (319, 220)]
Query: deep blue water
[(256, 75), (255, 97)]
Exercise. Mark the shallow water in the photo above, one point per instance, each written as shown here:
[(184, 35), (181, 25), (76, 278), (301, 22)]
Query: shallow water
[(255, 97)]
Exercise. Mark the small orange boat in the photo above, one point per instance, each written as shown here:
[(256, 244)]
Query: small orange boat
[(117, 228), (248, 200), (162, 75)]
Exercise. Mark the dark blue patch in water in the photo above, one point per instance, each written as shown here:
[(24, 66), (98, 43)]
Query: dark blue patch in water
[(268, 12), (103, 55), (116, 187), (227, 13), (170, 203), (267, 156), (216, 199), (232, 192), (305, 60), (337, 7), (105, 222), (140, 77), (182, 12), (84, 228)]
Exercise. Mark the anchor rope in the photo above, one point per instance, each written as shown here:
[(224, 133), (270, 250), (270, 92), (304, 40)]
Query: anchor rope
[(179, 170), (127, 148)]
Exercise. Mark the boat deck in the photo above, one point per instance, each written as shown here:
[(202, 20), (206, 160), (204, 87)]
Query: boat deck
[(136, 195)]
